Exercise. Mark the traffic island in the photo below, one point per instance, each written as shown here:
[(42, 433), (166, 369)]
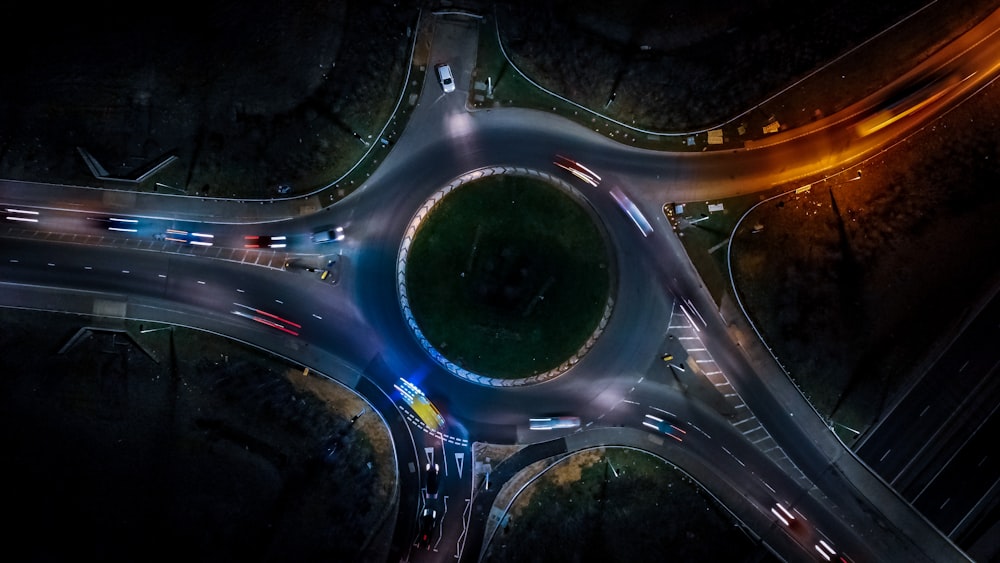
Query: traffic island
[(509, 280)]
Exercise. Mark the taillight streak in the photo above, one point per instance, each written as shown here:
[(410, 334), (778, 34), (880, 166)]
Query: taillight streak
[(271, 315)]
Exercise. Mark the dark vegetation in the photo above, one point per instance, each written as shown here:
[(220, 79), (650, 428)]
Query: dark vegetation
[(856, 285), (249, 96), (859, 283), (212, 453), (508, 276), (186, 447), (618, 505), (850, 304), (674, 67)]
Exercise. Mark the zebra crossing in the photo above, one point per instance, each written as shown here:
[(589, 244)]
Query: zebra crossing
[(684, 330)]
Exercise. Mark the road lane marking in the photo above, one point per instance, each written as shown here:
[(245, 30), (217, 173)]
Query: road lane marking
[(695, 309), (733, 456), (690, 320)]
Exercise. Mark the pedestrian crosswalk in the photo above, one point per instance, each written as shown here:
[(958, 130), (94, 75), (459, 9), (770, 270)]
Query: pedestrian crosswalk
[(685, 343)]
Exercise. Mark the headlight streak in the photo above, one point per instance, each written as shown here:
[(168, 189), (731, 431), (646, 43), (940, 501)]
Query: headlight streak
[(200, 239), (123, 225), (20, 215)]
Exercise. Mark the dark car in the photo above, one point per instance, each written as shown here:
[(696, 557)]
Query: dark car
[(265, 241), (672, 430), (431, 488), (293, 263), (428, 521)]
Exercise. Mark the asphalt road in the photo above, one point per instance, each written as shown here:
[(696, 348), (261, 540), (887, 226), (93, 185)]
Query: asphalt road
[(941, 432), (775, 449)]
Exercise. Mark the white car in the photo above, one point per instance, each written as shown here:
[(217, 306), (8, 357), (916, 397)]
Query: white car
[(554, 422), (632, 211), (184, 237), (335, 234), (445, 78)]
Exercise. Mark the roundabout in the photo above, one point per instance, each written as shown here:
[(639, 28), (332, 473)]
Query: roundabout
[(509, 303), (508, 281)]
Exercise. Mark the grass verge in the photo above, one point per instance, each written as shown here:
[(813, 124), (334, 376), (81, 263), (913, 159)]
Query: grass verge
[(194, 444), (846, 281), (617, 504), (508, 276)]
